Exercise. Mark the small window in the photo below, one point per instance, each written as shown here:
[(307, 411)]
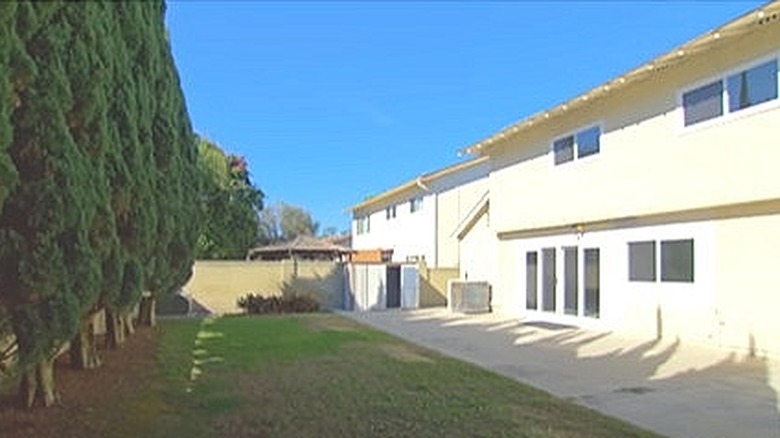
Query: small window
[(415, 204), (752, 86), (390, 212), (677, 260), (703, 103), (641, 261), (564, 149), (363, 225), (588, 142)]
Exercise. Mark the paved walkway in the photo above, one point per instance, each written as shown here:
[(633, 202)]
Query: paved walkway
[(675, 389)]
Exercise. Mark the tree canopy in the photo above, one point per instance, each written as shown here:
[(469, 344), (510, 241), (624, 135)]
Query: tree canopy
[(230, 205)]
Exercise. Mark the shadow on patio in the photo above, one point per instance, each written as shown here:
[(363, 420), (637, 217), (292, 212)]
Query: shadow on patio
[(672, 387)]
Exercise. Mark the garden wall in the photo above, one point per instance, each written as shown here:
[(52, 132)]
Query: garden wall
[(433, 285), (217, 285)]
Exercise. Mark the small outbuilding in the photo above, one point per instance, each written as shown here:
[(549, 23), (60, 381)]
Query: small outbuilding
[(300, 248)]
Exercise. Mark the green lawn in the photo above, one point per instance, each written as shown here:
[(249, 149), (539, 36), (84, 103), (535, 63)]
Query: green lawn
[(324, 376)]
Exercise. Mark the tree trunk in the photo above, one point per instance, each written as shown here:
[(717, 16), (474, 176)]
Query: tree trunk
[(37, 385), (83, 350), (146, 311), (127, 323), (115, 330)]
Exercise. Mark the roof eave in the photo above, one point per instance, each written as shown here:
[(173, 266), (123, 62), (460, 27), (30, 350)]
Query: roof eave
[(726, 32), (421, 182)]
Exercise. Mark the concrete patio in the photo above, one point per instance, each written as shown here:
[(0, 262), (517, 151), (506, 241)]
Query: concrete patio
[(672, 388)]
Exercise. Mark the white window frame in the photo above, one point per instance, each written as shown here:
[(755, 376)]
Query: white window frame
[(658, 262), (391, 212), (363, 225), (573, 133), (417, 200), (727, 115)]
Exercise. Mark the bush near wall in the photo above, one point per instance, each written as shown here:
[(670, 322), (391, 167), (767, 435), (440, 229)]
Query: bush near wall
[(256, 304)]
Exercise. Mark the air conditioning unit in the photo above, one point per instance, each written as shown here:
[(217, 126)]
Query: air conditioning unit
[(468, 296)]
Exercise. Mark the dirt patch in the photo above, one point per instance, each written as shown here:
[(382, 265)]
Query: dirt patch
[(325, 322), (405, 353), (91, 401)]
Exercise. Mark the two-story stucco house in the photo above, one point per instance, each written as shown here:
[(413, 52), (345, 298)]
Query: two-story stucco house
[(418, 220), (651, 203)]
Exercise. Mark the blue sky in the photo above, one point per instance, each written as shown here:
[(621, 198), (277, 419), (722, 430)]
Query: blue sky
[(331, 102)]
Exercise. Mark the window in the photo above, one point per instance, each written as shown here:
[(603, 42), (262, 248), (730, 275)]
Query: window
[(415, 204), (587, 142), (703, 103), (641, 261), (363, 225), (752, 86), (741, 90), (390, 212), (677, 260), (564, 149)]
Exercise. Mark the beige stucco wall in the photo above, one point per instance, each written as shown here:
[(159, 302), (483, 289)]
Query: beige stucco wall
[(454, 207), (217, 285), (433, 285), (478, 249), (748, 287), (649, 163), (732, 302), (430, 232)]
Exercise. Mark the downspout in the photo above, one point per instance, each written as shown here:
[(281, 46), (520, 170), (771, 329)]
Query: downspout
[(422, 185)]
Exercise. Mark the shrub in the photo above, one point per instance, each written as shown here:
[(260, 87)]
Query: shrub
[(257, 304)]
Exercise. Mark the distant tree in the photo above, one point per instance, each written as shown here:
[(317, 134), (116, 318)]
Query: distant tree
[(268, 225), (284, 222), (295, 221), (230, 204), (330, 231)]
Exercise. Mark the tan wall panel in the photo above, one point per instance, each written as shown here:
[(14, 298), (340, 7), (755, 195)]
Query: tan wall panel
[(218, 285), (433, 285)]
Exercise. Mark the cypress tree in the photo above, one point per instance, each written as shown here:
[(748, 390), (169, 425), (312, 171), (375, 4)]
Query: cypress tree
[(133, 173), (94, 125), (177, 183), (9, 51), (88, 124), (47, 266)]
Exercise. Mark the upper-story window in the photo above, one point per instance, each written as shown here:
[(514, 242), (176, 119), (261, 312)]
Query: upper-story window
[(735, 92), (363, 224), (390, 212), (752, 86), (415, 204), (585, 142), (703, 103)]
